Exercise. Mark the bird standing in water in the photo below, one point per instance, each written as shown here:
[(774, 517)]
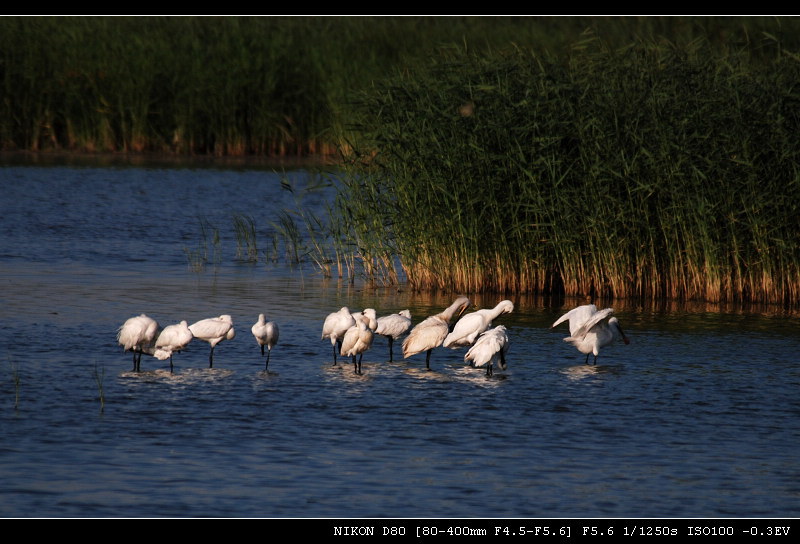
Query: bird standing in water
[(335, 326), (138, 334), (266, 334), (213, 330), (358, 339), (393, 326), (174, 338), (589, 330), (467, 329), (431, 332), (491, 343)]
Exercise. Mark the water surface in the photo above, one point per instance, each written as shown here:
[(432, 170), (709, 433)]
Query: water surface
[(698, 417)]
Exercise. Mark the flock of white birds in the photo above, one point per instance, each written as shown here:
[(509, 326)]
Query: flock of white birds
[(352, 334)]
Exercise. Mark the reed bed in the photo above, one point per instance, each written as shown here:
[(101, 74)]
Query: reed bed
[(648, 157), (646, 171), (282, 86)]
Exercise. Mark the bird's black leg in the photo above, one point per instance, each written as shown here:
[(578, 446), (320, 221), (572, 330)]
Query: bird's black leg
[(355, 365), (587, 359), (211, 357), (489, 370), (335, 345), (428, 360), (262, 350), (390, 348), (170, 363), (266, 367)]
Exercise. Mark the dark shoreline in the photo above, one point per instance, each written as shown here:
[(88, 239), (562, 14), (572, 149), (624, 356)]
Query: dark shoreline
[(161, 160)]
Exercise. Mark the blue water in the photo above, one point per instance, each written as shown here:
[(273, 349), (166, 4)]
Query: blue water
[(698, 417)]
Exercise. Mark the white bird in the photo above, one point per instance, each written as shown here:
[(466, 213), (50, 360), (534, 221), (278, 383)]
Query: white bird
[(467, 329), (431, 332), (266, 335), (335, 326), (213, 330), (491, 343), (358, 339), (394, 326), (137, 334), (174, 338), (589, 331), (370, 317)]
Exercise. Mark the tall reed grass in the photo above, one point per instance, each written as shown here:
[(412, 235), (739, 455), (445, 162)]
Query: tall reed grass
[(258, 85), (646, 171)]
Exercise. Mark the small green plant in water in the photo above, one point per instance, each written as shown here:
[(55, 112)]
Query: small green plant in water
[(197, 258), (244, 227), (98, 378)]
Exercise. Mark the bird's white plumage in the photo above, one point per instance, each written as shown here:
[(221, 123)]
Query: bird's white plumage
[(577, 317), (213, 330), (351, 337), (138, 334), (490, 344), (266, 335), (393, 326), (358, 339), (335, 327), (467, 329), (431, 332), (591, 330), (337, 323), (173, 338), (370, 317)]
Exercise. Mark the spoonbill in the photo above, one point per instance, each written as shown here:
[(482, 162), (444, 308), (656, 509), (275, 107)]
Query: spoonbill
[(431, 332), (266, 334), (213, 330), (491, 343), (358, 339), (467, 329), (393, 326), (589, 331), (137, 334), (335, 326), (370, 318), (172, 339)]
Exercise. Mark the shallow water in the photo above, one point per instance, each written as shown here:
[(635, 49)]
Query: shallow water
[(698, 417)]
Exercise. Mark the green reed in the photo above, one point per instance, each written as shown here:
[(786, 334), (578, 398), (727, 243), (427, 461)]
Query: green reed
[(261, 85), (197, 258), (99, 376), (244, 227), (651, 170)]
